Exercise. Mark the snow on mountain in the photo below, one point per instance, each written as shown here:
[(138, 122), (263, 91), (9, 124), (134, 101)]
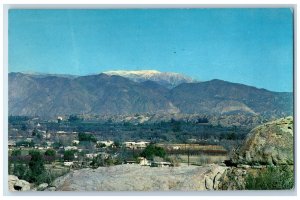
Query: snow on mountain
[(167, 79)]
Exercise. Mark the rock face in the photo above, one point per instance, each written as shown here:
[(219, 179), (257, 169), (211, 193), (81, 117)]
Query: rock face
[(141, 178), (14, 184), (213, 176), (232, 179), (268, 144)]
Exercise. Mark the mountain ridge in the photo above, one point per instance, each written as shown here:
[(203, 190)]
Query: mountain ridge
[(111, 94)]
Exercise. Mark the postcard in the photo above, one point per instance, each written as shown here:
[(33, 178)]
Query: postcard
[(152, 99)]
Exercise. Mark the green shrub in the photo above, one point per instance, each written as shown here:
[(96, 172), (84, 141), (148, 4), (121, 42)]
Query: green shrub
[(16, 152), (69, 155), (272, 178), (50, 152), (86, 137), (152, 150), (50, 155), (25, 143)]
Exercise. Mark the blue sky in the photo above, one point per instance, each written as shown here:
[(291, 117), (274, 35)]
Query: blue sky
[(250, 46)]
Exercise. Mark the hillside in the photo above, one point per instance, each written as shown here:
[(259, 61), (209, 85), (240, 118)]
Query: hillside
[(50, 96)]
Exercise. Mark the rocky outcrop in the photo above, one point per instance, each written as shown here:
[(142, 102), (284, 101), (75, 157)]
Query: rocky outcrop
[(233, 178), (15, 184), (268, 144), (141, 178)]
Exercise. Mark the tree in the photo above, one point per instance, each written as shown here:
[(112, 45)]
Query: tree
[(35, 132), (69, 155), (101, 145), (86, 137), (56, 145), (50, 155), (17, 166), (16, 152), (74, 118), (24, 127), (232, 136), (101, 161), (25, 143), (151, 150), (202, 120), (36, 165), (117, 144), (176, 125)]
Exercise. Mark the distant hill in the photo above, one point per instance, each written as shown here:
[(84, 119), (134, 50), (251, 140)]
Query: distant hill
[(219, 97), (51, 95)]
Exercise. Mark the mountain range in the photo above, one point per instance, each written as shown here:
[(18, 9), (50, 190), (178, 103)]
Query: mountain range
[(118, 92)]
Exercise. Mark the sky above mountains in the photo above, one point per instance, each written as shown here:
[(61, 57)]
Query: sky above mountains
[(250, 46)]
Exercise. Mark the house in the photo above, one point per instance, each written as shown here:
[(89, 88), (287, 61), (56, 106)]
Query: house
[(104, 155), (175, 147), (192, 140), (68, 164), (129, 144), (91, 155), (136, 145), (29, 139), (161, 164), (59, 119), (141, 144), (70, 148), (107, 143), (129, 162), (11, 144), (75, 142), (143, 161), (49, 144), (61, 132)]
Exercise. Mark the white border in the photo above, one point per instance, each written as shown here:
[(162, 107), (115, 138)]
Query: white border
[(110, 4)]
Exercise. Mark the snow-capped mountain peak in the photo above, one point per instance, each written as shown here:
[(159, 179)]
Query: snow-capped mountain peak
[(167, 79)]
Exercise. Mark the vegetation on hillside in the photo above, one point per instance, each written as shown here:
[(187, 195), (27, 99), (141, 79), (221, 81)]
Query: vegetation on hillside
[(272, 178)]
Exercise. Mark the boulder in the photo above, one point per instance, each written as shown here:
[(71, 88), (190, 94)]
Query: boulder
[(213, 176), (268, 144), (22, 185), (42, 186), (209, 183), (12, 180)]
